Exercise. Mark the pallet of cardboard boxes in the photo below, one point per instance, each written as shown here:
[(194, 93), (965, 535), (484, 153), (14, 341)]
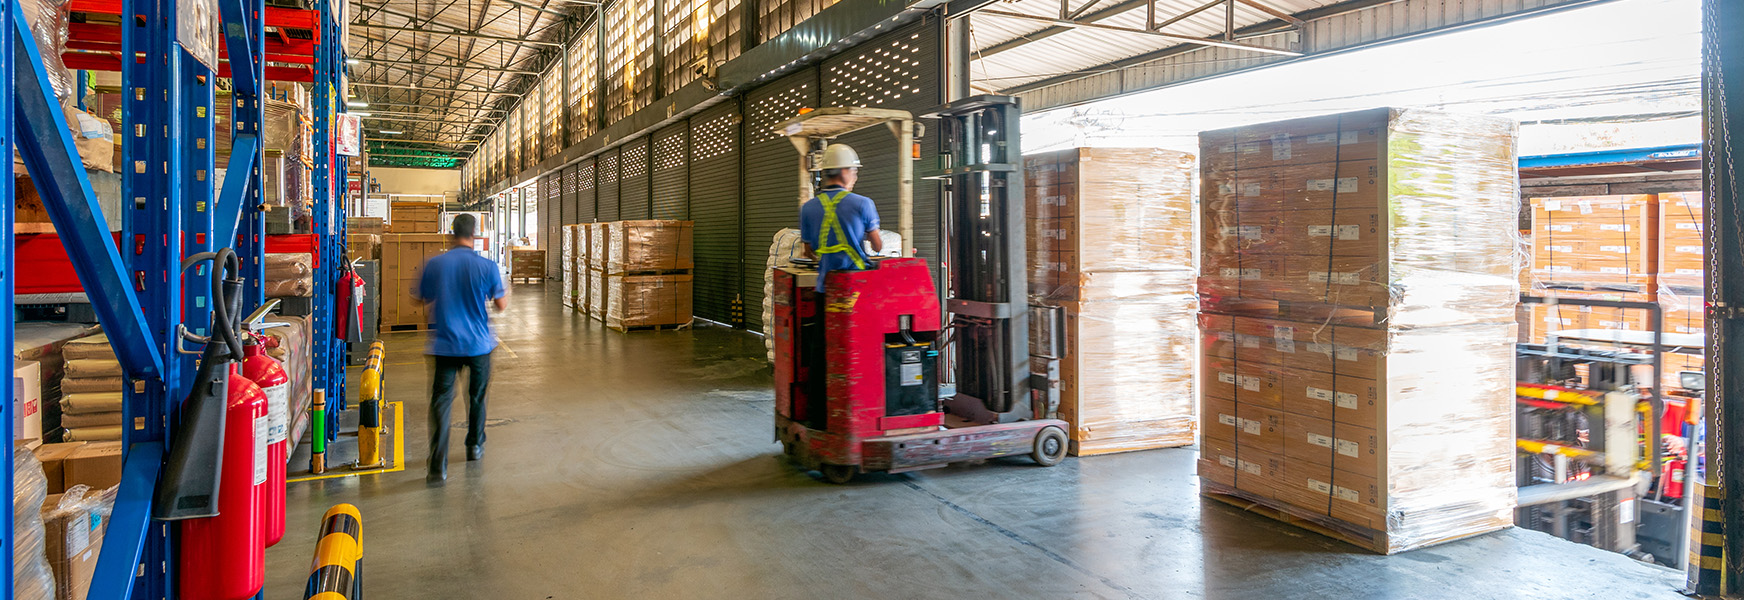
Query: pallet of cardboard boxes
[(636, 275), (403, 257), (1110, 235), (1358, 288), (407, 216)]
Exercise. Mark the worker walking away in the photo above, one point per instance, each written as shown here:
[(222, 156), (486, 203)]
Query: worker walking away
[(457, 286), (836, 223)]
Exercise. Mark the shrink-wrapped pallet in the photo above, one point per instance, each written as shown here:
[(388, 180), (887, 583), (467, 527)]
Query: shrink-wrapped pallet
[(648, 246), (1109, 234), (634, 301), (1595, 243), (1358, 284)]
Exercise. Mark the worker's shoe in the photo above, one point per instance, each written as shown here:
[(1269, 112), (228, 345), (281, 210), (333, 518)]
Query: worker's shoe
[(436, 476), (475, 452)]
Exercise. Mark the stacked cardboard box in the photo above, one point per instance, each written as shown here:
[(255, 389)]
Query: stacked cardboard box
[(566, 263), (73, 526), (363, 237), (406, 216), (1359, 285), (1682, 275), (526, 263), (1110, 240), (90, 403), (403, 258), (640, 273), (1595, 248)]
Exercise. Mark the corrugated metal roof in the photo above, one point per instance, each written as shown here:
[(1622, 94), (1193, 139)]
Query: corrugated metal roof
[(1009, 52)]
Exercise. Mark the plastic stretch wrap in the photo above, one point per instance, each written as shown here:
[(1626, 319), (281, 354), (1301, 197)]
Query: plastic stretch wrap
[(633, 246), (31, 577), (290, 346), (644, 300), (74, 525), (1103, 210), (567, 248), (1398, 433), (1681, 266), (1127, 372), (788, 247), (303, 286), (1407, 212), (48, 24), (1595, 243)]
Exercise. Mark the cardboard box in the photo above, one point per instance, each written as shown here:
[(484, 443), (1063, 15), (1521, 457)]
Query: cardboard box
[(1331, 138), (1219, 419), (27, 400), (1308, 439), (365, 225), (53, 458), (1261, 428), (1102, 210), (648, 246), (1306, 485), (1356, 500), (366, 246), (96, 464), (1320, 186), (1258, 472), (1217, 461), (1356, 449), (72, 539), (647, 300)]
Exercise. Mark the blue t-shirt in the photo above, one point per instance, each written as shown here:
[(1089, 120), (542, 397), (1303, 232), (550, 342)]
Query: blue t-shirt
[(857, 215), (458, 286)]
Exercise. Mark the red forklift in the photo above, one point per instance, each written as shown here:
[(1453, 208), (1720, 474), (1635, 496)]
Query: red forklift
[(859, 368)]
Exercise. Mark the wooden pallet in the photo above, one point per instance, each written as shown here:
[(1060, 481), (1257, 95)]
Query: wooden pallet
[(386, 328), (1367, 539), (649, 272), (539, 279), (661, 327)]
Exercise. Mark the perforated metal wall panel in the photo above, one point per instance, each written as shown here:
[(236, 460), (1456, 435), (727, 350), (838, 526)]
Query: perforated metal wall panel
[(608, 186), (550, 199), (671, 172), (566, 208), (771, 176), (714, 205), (634, 187), (586, 192), (896, 70)]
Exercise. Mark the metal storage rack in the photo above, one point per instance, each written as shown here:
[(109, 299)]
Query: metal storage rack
[(137, 289)]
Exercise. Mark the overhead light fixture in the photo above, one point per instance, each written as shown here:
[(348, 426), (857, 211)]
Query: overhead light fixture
[(388, 132), (357, 104), (362, 114), (351, 61)]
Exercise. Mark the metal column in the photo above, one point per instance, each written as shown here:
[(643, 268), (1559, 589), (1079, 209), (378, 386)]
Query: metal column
[(1718, 564), (328, 218), (8, 214)]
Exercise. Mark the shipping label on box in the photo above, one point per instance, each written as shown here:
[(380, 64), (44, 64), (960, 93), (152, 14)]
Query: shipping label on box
[(1356, 449)]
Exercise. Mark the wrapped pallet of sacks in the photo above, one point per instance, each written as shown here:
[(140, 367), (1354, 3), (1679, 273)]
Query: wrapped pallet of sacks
[(32, 579), (290, 274)]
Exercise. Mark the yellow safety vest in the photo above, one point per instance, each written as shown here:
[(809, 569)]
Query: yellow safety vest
[(831, 225)]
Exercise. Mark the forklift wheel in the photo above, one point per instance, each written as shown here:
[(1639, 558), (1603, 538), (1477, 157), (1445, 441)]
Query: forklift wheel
[(838, 474), (1050, 447)]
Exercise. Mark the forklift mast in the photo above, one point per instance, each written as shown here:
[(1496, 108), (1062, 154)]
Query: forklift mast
[(982, 220)]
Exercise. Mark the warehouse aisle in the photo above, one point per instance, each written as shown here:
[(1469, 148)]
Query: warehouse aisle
[(641, 466)]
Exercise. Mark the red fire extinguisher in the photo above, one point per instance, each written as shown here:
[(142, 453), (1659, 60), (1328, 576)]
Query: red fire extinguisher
[(223, 557), (276, 384), (1671, 478)]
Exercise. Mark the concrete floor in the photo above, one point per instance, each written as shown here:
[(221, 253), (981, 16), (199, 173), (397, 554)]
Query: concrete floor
[(641, 466)]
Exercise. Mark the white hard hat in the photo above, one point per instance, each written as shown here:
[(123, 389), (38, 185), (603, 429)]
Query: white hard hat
[(839, 156)]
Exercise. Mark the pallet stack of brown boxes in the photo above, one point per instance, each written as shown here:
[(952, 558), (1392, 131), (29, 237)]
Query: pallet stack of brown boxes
[(403, 257), (1358, 286), (363, 237), (1110, 240), (405, 216), (1595, 248), (526, 264), (647, 283), (1682, 278)]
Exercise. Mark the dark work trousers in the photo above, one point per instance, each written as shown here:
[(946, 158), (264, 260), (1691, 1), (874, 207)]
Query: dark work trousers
[(442, 399)]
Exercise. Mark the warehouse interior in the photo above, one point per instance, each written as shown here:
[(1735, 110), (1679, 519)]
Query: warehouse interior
[(1169, 298)]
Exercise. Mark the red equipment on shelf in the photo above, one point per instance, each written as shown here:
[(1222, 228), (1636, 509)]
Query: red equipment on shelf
[(224, 557), (270, 376)]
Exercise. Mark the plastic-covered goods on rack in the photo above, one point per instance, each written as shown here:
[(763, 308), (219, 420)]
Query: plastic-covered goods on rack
[(48, 24), (289, 274), (1360, 282), (1594, 243), (31, 577)]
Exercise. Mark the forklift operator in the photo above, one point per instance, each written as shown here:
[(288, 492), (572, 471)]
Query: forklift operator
[(834, 224)]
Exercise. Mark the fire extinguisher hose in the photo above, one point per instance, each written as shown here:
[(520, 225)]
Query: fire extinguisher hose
[(188, 487)]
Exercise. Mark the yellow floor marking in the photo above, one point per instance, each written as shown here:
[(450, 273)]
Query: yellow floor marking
[(398, 459)]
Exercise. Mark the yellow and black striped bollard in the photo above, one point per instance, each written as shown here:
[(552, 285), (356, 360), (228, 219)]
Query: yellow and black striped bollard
[(337, 572)]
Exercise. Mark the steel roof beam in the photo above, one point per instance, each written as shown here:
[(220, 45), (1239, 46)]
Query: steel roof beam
[(1053, 31), (1185, 39), (474, 107), (469, 67), (434, 89), (471, 35)]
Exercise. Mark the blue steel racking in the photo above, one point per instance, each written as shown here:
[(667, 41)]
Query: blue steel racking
[(138, 289)]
